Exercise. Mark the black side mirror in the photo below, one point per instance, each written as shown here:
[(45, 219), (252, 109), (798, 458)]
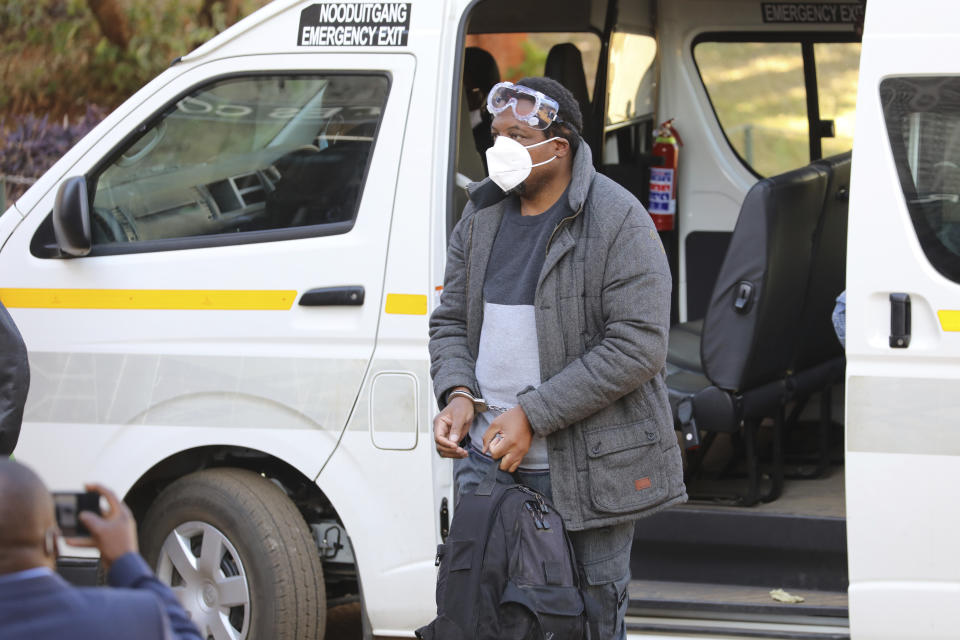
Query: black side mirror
[(71, 217)]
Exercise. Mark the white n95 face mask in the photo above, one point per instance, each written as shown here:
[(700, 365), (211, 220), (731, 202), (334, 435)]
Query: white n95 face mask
[(509, 163)]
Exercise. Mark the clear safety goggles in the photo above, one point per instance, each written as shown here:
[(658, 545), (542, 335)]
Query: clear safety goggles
[(529, 105)]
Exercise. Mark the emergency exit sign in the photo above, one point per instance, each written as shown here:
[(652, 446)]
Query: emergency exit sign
[(812, 12)]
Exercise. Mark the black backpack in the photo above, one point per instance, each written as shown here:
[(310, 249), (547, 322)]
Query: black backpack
[(507, 570)]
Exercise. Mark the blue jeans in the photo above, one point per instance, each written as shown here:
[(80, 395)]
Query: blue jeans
[(603, 555)]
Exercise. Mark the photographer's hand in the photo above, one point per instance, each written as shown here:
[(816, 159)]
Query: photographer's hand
[(114, 534)]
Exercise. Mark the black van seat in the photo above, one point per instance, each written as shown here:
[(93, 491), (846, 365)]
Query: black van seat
[(480, 73), (320, 187), (565, 65), (750, 333), (819, 360), (752, 323), (470, 166), (683, 384), (683, 349), (818, 342)]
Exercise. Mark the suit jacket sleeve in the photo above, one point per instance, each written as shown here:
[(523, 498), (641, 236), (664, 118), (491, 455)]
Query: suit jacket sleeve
[(131, 571), (14, 381), (451, 363)]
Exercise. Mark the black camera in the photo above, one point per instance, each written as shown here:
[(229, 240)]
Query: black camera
[(68, 507)]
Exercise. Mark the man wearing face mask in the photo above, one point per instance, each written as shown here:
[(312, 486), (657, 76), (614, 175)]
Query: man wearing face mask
[(549, 344)]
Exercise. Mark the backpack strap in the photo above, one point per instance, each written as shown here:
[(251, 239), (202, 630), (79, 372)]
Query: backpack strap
[(486, 486)]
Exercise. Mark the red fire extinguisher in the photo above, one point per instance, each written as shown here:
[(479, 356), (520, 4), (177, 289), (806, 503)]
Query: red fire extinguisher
[(663, 176)]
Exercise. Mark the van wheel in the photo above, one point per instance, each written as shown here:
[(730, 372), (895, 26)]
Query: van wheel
[(239, 556)]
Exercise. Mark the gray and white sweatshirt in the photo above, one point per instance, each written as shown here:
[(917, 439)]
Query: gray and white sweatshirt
[(508, 361)]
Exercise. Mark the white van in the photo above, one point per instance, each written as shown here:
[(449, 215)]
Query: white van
[(225, 291)]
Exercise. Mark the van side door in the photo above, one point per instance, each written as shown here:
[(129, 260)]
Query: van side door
[(903, 329)]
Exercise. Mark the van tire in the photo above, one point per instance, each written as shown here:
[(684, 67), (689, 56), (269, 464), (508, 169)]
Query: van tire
[(277, 553)]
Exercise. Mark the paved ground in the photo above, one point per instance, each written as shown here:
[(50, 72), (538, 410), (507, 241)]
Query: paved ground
[(343, 622)]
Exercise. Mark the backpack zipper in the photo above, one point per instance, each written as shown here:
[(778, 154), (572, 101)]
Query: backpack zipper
[(541, 505), (537, 516)]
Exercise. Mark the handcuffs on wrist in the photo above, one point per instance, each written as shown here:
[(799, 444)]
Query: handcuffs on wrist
[(479, 404)]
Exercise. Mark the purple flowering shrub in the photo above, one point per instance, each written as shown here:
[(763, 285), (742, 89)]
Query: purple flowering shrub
[(30, 145)]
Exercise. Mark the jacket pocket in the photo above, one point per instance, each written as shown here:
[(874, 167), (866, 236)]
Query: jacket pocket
[(625, 467)]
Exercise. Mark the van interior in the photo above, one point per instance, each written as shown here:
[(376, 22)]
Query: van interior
[(755, 368)]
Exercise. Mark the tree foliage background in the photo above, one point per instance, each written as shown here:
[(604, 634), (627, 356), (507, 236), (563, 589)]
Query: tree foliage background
[(59, 56), (67, 63)]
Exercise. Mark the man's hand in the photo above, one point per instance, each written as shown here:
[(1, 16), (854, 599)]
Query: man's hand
[(115, 534), (451, 425), (508, 438)]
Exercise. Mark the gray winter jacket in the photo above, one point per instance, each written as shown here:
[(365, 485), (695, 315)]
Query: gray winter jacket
[(602, 309)]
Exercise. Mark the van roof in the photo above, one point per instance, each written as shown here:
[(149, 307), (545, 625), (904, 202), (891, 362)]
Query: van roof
[(277, 25)]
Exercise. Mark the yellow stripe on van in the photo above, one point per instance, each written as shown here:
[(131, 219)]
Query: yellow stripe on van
[(167, 299), (406, 304), (949, 320)]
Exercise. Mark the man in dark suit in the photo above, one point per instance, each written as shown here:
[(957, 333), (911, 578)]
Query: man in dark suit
[(37, 604)]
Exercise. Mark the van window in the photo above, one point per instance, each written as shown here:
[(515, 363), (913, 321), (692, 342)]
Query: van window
[(769, 97), (838, 65), (631, 78), (628, 122), (922, 115), (241, 155)]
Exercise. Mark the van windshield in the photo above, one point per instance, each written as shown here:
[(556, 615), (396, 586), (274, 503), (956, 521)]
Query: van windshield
[(252, 153), (234, 117)]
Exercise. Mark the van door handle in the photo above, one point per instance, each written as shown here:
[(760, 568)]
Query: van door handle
[(333, 297), (899, 320)]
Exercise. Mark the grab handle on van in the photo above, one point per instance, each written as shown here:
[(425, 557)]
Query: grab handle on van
[(333, 297)]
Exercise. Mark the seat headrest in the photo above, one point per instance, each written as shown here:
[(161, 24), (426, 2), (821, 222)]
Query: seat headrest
[(565, 65), (480, 70)]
